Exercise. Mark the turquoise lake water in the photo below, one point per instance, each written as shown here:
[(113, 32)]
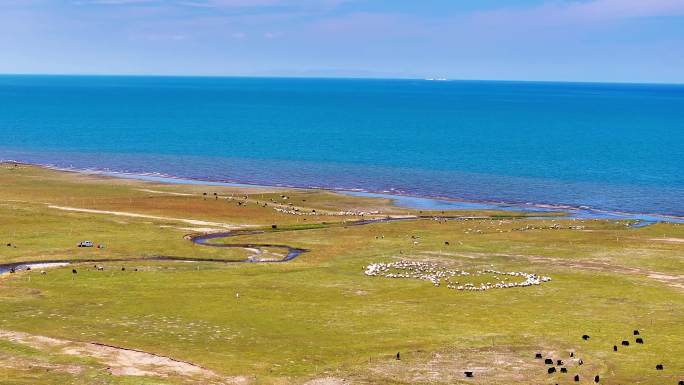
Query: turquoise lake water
[(614, 147)]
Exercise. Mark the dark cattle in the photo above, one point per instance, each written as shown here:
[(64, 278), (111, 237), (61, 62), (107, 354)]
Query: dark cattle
[(548, 361), (73, 271), (585, 337), (468, 374), (398, 356), (28, 267), (538, 356), (123, 268), (680, 382), (576, 377), (9, 245), (580, 362), (659, 367), (596, 379), (559, 362), (564, 370), (615, 348), (572, 354), (639, 340), (636, 332), (274, 226), (446, 243), (552, 370), (11, 270), (625, 343)]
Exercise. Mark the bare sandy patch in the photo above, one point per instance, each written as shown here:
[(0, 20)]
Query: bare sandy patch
[(672, 240), (205, 230), (672, 280), (165, 192), (38, 342), (120, 361), (327, 381), (195, 222), (489, 365)]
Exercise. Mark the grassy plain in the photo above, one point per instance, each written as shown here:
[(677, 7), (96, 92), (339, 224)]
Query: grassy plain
[(318, 319)]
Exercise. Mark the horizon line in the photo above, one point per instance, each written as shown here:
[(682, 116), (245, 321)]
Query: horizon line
[(341, 77)]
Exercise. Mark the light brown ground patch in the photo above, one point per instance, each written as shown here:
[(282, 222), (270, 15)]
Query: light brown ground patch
[(672, 280), (195, 222), (673, 240), (489, 366), (203, 230), (327, 381), (165, 192), (120, 361)]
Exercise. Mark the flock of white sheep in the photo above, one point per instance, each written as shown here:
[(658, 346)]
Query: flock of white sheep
[(435, 274)]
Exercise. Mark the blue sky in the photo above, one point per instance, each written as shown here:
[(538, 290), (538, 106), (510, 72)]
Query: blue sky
[(573, 40)]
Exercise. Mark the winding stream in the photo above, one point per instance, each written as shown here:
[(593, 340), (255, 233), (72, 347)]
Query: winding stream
[(198, 239), (204, 240)]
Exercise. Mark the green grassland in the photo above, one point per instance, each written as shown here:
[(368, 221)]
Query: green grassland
[(318, 318)]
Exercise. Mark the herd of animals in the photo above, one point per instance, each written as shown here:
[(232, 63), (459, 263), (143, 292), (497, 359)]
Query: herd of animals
[(560, 366)]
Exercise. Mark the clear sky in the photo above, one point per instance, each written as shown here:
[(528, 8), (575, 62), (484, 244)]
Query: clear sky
[(574, 40)]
